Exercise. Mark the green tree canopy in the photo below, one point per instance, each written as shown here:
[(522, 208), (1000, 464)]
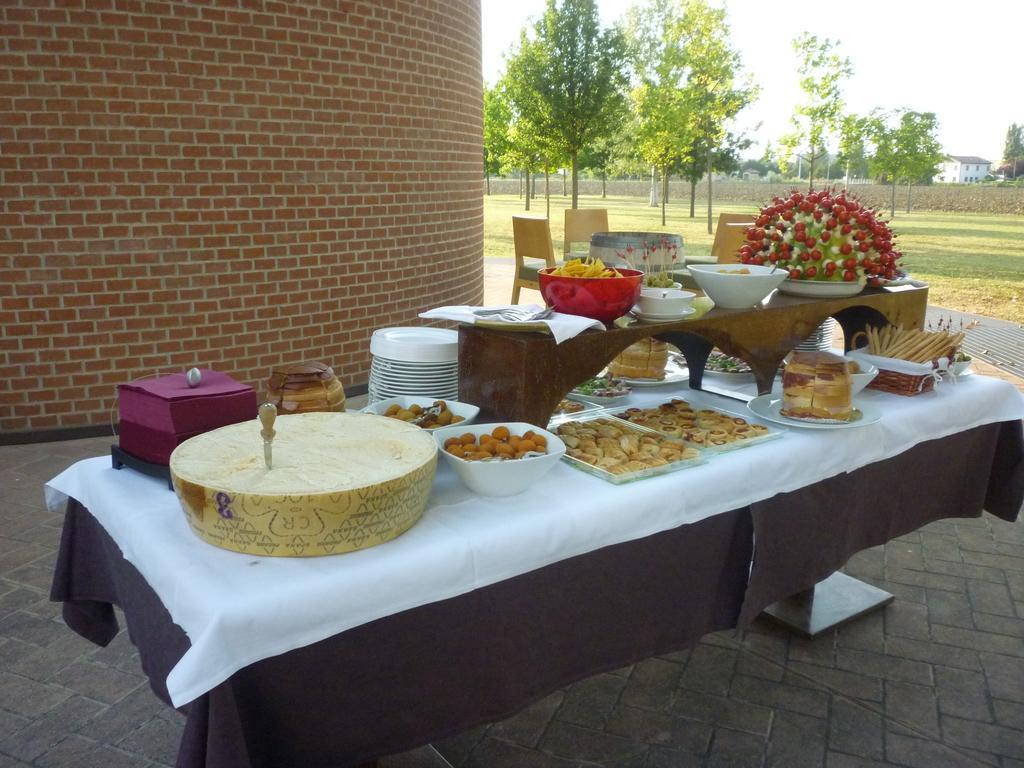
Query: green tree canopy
[(822, 72), (1013, 150), (907, 151), (566, 82), (712, 95), (497, 121)]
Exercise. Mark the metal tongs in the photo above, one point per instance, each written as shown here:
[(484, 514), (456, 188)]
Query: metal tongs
[(268, 414), (433, 411)]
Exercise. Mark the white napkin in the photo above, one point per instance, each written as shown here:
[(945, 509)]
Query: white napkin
[(562, 326)]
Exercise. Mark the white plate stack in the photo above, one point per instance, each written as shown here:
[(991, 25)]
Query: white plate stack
[(414, 361), (821, 339)]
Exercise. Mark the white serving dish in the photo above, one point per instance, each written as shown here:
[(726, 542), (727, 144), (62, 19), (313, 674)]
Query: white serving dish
[(664, 301), (730, 290), (465, 410), (769, 408), (823, 288), (501, 478), (860, 380)]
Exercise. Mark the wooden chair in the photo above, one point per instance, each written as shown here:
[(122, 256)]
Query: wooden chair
[(730, 234), (532, 238), (581, 223)]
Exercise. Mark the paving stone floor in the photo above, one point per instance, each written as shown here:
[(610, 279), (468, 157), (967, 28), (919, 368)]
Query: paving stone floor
[(936, 679)]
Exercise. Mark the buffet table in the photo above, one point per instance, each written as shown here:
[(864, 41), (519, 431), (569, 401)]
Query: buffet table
[(489, 604)]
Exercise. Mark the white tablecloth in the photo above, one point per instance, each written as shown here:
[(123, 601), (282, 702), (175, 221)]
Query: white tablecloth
[(237, 609)]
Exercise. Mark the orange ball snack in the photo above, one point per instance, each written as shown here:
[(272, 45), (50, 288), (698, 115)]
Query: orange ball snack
[(500, 444)]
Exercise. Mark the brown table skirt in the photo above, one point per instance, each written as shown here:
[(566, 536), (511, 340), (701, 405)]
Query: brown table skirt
[(431, 671)]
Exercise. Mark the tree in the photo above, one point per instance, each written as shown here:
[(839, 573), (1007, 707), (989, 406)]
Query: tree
[(712, 97), (1013, 150), (908, 151), (565, 80), (854, 134), (656, 48), (599, 157), (821, 75), (497, 119)]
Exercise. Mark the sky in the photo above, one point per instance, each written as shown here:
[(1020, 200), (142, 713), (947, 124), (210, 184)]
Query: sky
[(926, 55)]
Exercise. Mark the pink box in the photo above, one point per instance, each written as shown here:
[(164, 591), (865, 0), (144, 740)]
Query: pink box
[(158, 414)]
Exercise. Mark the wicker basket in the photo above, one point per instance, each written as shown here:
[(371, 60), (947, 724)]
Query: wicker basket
[(911, 378), (902, 383)]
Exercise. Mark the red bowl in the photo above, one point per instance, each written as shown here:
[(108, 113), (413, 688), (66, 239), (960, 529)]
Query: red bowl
[(600, 298)]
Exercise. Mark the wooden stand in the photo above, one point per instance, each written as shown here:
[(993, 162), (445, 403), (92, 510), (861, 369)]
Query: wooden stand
[(523, 376)]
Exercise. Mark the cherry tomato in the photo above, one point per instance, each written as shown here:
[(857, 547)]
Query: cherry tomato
[(849, 276), (850, 263), (812, 271), (816, 254), (845, 248), (825, 235), (810, 242)]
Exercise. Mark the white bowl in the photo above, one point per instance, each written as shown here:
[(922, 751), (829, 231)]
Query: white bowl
[(664, 301), (501, 478), (730, 287), (465, 410), (862, 379)]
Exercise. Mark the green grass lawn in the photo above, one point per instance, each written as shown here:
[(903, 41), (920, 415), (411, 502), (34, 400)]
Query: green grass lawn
[(972, 262)]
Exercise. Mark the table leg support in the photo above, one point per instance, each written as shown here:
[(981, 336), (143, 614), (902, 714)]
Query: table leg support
[(829, 604)]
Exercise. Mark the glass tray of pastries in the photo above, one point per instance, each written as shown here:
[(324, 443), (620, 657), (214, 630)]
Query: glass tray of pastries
[(619, 451), (705, 428)]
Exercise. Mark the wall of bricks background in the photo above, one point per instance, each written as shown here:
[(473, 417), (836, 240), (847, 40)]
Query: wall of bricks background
[(234, 185)]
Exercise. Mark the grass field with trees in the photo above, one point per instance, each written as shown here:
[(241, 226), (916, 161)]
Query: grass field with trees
[(972, 262)]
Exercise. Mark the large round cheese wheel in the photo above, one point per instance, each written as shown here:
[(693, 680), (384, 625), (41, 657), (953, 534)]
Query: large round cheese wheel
[(339, 482)]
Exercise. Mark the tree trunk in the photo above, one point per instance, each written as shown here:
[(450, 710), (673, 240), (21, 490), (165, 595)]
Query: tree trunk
[(710, 230), (520, 185), (527, 190), (575, 181), (604, 185), (664, 194), (892, 203), (654, 187), (547, 192), (693, 198), (563, 185), (909, 185)]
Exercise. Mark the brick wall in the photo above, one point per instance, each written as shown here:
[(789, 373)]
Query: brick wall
[(227, 184)]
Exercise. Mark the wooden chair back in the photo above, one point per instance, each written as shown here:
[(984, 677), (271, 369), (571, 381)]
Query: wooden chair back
[(730, 235), (534, 251), (581, 223)]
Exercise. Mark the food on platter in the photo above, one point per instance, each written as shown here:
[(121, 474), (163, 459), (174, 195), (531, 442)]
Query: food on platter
[(501, 444), (602, 387), (817, 385), (585, 268), (338, 482), (305, 387), (617, 448), (569, 406), (645, 359), (719, 362), (436, 415), (912, 345), (702, 427), (822, 236)]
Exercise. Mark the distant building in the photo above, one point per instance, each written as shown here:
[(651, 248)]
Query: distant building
[(963, 169)]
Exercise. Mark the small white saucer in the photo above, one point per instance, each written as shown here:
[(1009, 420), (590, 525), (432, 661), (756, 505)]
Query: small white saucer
[(644, 317)]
